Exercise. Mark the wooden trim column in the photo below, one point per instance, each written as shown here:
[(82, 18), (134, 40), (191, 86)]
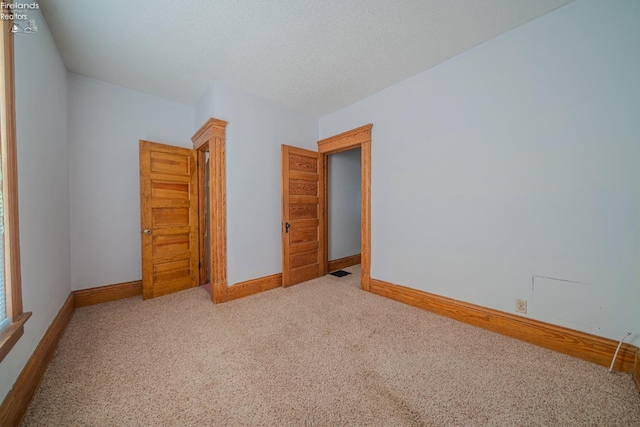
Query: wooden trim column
[(212, 137), (365, 234)]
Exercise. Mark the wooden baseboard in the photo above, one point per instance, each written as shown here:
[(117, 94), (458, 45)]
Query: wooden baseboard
[(255, 286), (345, 262), (568, 341), (15, 405), (85, 297)]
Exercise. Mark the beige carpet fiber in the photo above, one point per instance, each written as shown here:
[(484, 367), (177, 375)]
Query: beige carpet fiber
[(323, 353)]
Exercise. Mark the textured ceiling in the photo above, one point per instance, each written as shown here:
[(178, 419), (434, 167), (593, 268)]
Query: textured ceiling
[(316, 56)]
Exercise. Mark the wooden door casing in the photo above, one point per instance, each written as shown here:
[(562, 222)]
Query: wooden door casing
[(359, 137), (211, 137), (169, 218), (302, 222)]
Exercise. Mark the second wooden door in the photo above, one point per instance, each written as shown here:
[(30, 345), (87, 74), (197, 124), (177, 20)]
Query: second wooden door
[(302, 193), (169, 218)]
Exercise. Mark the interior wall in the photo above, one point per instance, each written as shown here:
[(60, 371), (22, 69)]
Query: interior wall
[(518, 158), (256, 129), (344, 203), (204, 108), (43, 193), (105, 124)]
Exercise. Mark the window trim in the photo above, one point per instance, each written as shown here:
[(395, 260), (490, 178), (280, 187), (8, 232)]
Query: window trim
[(13, 283)]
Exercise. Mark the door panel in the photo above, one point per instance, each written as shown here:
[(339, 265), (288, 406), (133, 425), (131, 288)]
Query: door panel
[(169, 214), (303, 187), (302, 193), (303, 258), (302, 274), (302, 235)]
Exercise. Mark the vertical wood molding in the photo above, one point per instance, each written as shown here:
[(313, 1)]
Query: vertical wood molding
[(15, 405), (10, 173), (102, 294), (359, 137), (578, 344), (202, 223), (324, 218), (212, 136), (323, 244), (218, 207), (8, 156), (284, 161), (365, 221)]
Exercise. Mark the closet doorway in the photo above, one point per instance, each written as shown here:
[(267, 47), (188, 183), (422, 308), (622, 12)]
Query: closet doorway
[(305, 211), (343, 202), (183, 214), (355, 138)]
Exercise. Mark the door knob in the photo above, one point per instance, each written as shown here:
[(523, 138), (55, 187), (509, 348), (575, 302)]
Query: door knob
[(147, 231)]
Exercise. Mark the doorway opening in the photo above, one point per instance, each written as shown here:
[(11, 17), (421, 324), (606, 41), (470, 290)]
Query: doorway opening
[(204, 216), (304, 210), (355, 138), (183, 214), (343, 202)]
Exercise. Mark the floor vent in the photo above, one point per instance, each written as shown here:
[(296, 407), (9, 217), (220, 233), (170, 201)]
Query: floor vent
[(340, 273)]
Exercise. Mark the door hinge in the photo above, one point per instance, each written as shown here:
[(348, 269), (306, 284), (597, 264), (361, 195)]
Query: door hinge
[(199, 265)]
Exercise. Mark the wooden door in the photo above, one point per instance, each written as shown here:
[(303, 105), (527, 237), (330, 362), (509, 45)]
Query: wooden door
[(169, 218), (302, 193)]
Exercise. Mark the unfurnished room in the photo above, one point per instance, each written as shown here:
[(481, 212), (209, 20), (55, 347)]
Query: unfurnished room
[(320, 213)]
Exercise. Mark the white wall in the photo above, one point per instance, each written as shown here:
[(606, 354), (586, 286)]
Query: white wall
[(43, 194), (344, 203), (256, 129), (204, 107), (514, 159), (105, 124)]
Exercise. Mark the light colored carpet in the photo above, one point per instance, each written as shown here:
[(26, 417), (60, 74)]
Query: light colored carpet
[(323, 353)]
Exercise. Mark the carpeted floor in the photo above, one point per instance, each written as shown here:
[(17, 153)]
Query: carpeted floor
[(323, 353)]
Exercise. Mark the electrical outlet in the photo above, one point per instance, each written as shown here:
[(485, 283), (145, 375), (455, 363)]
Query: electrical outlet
[(521, 306)]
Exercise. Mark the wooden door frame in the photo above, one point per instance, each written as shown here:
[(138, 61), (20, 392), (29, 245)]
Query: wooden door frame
[(359, 137), (212, 137)]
